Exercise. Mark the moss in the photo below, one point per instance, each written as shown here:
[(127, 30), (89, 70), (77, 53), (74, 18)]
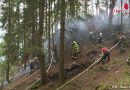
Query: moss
[(103, 87), (36, 85)]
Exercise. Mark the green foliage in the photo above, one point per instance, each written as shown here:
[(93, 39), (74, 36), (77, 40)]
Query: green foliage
[(103, 87), (36, 85)]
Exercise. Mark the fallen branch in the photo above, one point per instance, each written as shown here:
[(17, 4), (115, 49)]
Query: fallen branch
[(52, 53)]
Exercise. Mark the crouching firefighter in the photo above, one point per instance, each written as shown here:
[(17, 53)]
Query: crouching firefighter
[(75, 50), (105, 57)]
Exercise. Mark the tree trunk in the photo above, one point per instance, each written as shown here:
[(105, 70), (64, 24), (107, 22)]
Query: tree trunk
[(7, 70), (86, 7), (46, 23), (62, 32), (40, 49), (18, 31), (24, 39), (97, 7), (8, 42), (121, 17), (107, 7), (112, 5), (49, 29), (33, 12), (52, 25), (129, 14)]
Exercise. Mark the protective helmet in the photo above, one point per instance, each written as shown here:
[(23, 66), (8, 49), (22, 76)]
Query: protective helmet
[(74, 42)]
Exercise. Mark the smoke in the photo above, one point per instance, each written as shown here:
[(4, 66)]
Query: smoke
[(77, 29)]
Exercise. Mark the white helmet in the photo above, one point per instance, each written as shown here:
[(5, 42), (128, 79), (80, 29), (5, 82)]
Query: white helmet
[(74, 41)]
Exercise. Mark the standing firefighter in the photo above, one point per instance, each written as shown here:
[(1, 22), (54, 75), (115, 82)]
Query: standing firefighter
[(56, 59), (31, 65), (122, 43), (114, 37), (100, 38), (75, 50), (105, 58), (90, 35)]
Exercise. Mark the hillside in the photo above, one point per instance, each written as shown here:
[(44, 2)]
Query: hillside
[(56, 44), (117, 77), (118, 74)]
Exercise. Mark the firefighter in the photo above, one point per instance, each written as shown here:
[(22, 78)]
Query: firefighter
[(114, 37), (92, 37), (56, 59), (122, 43), (117, 38), (105, 57), (36, 62), (100, 38), (128, 60), (75, 50), (31, 65)]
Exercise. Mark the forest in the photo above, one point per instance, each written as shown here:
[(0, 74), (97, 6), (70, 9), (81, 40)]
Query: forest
[(48, 44)]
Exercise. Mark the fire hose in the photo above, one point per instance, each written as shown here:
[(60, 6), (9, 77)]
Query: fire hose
[(96, 61)]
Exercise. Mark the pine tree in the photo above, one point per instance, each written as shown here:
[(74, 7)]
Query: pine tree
[(40, 49), (62, 32)]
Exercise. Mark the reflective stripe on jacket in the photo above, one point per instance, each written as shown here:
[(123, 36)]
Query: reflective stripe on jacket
[(75, 48)]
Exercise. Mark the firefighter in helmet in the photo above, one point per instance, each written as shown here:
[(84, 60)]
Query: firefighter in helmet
[(75, 50)]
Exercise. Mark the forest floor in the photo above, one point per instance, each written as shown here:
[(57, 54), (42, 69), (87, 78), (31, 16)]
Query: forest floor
[(118, 77), (26, 80), (118, 74)]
